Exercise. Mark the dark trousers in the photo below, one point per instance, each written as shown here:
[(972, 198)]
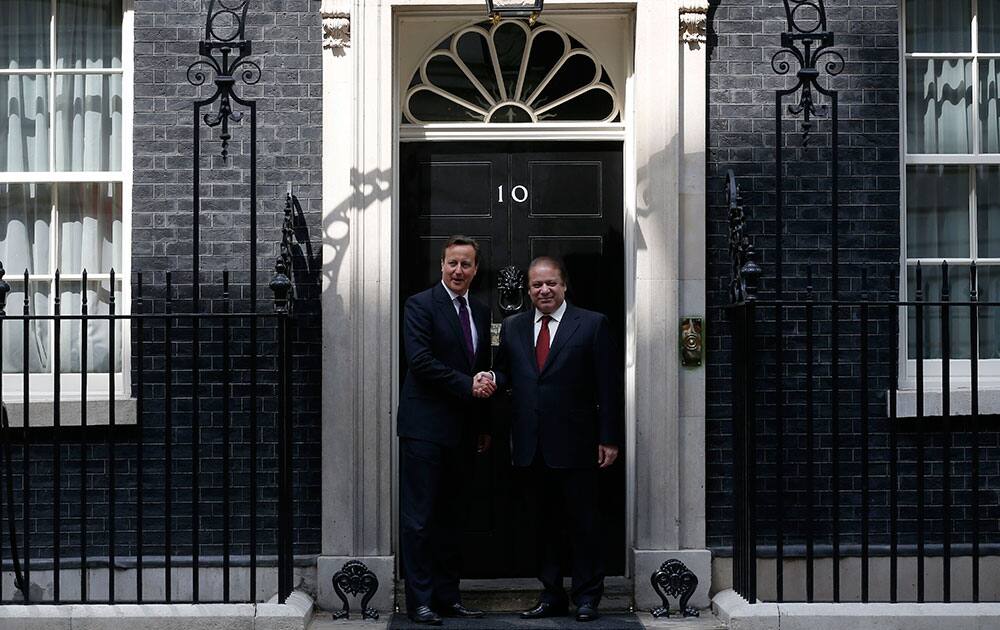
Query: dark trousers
[(430, 521), (568, 511)]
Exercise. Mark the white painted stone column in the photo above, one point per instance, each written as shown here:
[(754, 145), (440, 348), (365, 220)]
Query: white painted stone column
[(357, 470), (670, 257)]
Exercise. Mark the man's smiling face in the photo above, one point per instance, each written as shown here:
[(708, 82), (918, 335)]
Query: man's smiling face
[(546, 287), (458, 267)]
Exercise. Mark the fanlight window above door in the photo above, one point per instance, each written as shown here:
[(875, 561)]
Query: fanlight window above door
[(510, 73)]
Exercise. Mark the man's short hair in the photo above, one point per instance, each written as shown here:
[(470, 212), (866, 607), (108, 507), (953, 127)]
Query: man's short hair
[(551, 261), (459, 239)]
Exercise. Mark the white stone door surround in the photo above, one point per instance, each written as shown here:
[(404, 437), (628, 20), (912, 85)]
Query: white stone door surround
[(664, 135)]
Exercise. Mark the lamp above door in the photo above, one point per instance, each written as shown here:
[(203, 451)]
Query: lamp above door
[(500, 9)]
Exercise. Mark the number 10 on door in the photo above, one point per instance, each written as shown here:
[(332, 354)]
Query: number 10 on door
[(517, 193)]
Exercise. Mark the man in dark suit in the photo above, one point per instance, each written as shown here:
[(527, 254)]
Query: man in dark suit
[(560, 364), (441, 411)]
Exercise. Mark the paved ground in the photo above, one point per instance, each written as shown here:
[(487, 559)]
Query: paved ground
[(322, 621)]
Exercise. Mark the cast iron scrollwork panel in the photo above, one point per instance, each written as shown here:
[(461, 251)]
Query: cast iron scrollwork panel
[(510, 290), (808, 43), (676, 580), (224, 50), (745, 273), (354, 578)]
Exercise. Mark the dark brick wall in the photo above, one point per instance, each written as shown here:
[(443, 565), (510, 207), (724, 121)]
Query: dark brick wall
[(287, 45), (743, 36), (286, 37)]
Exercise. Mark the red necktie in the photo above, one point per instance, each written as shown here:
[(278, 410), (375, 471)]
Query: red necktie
[(542, 345)]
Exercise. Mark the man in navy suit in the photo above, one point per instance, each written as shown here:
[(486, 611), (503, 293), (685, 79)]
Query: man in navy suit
[(441, 411), (561, 366)]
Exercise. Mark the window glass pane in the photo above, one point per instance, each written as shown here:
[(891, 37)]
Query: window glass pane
[(937, 212), (90, 227), (958, 329), (938, 26), (425, 105), (938, 106), (989, 26), (988, 201), (38, 331), (474, 51), (24, 123), (510, 41), (89, 34), (25, 215), (88, 122), (443, 72), (989, 105), (988, 278), (98, 335), (24, 34)]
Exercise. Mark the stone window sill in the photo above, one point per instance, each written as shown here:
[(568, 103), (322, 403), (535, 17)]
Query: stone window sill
[(960, 402), (41, 413)]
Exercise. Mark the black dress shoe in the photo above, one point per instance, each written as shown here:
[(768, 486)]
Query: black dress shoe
[(586, 612), (460, 611), (424, 614), (544, 609)]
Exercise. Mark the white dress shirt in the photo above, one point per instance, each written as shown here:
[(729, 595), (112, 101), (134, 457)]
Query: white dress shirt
[(468, 306), (556, 316)]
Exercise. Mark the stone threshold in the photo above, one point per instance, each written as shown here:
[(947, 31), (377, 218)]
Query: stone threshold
[(738, 614), (294, 614)]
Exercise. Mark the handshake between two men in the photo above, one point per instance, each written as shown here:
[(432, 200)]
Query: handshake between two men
[(483, 385)]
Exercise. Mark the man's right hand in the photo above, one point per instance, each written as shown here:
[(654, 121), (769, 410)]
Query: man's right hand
[(483, 385)]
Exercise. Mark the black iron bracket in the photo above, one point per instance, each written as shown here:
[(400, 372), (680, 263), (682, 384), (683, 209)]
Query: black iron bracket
[(673, 578), (355, 578)]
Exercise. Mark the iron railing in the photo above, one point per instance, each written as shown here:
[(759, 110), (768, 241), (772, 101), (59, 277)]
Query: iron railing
[(833, 482), (192, 500), (199, 486), (917, 482)]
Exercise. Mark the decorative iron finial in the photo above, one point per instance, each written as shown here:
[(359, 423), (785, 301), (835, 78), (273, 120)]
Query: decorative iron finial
[(281, 286), (745, 273), (809, 43), (225, 36)]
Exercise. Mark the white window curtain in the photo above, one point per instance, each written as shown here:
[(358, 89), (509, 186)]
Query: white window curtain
[(83, 221), (939, 106)]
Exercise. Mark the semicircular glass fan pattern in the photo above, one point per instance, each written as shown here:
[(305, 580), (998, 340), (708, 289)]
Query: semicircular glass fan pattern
[(510, 73)]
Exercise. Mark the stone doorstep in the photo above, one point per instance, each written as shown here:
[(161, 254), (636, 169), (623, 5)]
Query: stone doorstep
[(517, 594), (295, 614), (738, 614)]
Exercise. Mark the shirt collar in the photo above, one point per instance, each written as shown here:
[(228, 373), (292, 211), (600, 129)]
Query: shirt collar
[(556, 315), (454, 295)]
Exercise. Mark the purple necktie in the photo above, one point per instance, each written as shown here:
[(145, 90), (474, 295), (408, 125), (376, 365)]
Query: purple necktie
[(463, 317)]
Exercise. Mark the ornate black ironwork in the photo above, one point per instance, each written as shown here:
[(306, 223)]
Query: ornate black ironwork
[(354, 578), (809, 43), (745, 273), (225, 30), (673, 578), (510, 290), (282, 281)]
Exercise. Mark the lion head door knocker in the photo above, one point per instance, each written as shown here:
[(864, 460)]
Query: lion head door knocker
[(355, 578), (510, 297), (510, 290), (676, 580), (692, 346)]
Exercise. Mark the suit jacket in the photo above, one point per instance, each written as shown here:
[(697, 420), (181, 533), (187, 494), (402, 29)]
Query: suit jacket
[(575, 402), (436, 402)]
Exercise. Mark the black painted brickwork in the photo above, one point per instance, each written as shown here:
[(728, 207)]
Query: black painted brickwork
[(287, 44), (286, 38), (743, 36)]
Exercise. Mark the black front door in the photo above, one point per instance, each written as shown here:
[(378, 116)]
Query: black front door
[(519, 200)]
